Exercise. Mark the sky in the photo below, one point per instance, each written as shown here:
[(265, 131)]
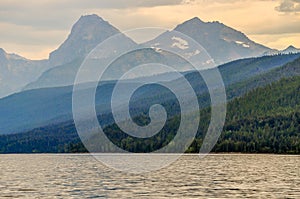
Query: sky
[(34, 28)]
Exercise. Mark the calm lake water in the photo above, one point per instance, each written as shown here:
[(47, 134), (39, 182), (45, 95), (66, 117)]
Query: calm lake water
[(215, 176)]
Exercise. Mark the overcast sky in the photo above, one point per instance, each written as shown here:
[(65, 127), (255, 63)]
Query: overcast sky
[(33, 28)]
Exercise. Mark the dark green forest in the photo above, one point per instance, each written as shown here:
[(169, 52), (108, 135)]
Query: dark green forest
[(265, 120)]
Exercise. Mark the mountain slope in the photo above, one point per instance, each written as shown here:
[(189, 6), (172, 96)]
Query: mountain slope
[(290, 69), (266, 120), (58, 76)]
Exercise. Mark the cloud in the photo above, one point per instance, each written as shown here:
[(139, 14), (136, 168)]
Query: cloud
[(278, 41), (48, 14), (45, 24), (115, 4), (279, 28), (288, 6)]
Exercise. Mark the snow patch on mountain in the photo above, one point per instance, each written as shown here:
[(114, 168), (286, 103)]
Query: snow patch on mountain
[(243, 44), (156, 47), (191, 54), (180, 43), (208, 62), (159, 50)]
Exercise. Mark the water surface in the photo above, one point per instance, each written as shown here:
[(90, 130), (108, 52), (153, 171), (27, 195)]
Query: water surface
[(215, 176)]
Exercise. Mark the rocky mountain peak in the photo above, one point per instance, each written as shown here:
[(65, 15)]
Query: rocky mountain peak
[(87, 21), (85, 35)]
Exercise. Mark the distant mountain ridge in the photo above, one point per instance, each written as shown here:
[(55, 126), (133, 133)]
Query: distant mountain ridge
[(223, 43), (290, 49)]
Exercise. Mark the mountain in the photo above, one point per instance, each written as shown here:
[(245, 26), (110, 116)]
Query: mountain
[(53, 105), (222, 43), (290, 49), (86, 34), (17, 71)]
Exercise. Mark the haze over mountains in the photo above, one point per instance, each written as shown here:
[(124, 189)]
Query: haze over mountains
[(223, 43), (40, 107)]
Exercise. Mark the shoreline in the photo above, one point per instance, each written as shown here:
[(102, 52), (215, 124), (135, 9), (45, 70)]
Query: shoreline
[(183, 154)]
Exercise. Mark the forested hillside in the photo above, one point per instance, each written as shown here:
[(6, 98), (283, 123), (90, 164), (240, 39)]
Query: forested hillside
[(263, 116), (265, 120)]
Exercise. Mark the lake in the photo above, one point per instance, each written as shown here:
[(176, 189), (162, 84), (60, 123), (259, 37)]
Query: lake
[(215, 176)]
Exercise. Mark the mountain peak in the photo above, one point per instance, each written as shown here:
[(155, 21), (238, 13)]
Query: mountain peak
[(90, 17), (86, 34), (86, 21), (13, 56), (290, 49), (194, 21), (93, 18)]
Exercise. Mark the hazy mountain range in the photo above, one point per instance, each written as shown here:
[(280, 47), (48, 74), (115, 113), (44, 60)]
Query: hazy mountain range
[(223, 43), (263, 112), (17, 71), (44, 106)]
